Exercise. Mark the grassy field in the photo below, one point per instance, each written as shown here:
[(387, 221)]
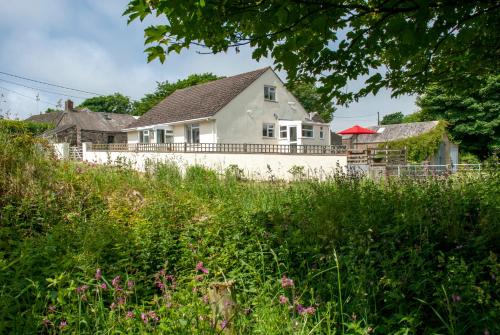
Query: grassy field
[(103, 250)]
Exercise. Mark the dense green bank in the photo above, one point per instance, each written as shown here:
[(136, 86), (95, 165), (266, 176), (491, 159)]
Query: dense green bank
[(400, 257)]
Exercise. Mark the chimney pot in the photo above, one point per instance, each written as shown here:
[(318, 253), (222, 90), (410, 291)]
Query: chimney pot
[(68, 105)]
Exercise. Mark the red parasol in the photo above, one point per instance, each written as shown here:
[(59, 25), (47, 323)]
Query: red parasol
[(356, 130)]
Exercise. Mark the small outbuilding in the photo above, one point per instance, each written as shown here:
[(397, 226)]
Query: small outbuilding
[(78, 125), (424, 141)]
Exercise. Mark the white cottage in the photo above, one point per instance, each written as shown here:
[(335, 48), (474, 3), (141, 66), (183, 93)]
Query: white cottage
[(253, 107)]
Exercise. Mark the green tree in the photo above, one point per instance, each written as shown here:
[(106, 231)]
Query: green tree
[(115, 103), (404, 45), (310, 98), (473, 117), (393, 118), (164, 89)]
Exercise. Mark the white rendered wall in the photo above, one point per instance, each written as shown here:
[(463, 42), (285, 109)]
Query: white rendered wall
[(241, 120), (255, 166)]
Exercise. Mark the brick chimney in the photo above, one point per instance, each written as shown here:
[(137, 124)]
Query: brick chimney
[(68, 105)]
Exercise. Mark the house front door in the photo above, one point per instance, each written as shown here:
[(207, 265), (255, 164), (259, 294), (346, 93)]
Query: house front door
[(293, 138)]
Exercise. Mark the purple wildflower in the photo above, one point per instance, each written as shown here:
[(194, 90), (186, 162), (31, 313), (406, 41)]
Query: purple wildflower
[(223, 324), (456, 298), (104, 286), (153, 316), (300, 308), (286, 282), (200, 267), (283, 300), (63, 324), (309, 310), (82, 289), (170, 278), (130, 315), (130, 284), (144, 318), (98, 274)]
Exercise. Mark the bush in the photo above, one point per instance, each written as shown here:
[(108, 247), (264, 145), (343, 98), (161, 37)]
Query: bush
[(344, 256)]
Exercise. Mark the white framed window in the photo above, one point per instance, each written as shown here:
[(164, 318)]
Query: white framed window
[(193, 133), (307, 131), (160, 136), (268, 130), (144, 136), (269, 93), (283, 132), (169, 136), (321, 133)]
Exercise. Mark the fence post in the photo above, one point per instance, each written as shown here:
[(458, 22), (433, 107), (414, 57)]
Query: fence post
[(244, 147), (185, 146)]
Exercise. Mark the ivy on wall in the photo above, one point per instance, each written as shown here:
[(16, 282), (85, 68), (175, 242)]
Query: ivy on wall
[(421, 147)]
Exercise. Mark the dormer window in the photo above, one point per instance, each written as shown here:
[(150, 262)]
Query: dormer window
[(269, 93)]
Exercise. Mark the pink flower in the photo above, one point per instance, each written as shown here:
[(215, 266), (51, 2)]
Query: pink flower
[(63, 324), (82, 289), (121, 301), (104, 286), (130, 284), (223, 324), (98, 274), (456, 298), (112, 306), (286, 282), (199, 278), (283, 300), (46, 322), (130, 315), (116, 281), (205, 299), (144, 318), (153, 316), (309, 310), (199, 267)]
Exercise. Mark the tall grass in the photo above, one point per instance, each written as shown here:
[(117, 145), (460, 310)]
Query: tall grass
[(400, 256)]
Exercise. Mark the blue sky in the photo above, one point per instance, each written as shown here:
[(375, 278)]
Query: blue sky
[(88, 45)]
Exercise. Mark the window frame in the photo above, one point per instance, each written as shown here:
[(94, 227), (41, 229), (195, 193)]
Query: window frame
[(307, 130), (143, 134), (266, 126), (190, 138), (160, 136), (321, 133), (283, 129), (267, 93)]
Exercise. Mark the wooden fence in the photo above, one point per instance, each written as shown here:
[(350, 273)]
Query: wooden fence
[(222, 148), (376, 157)]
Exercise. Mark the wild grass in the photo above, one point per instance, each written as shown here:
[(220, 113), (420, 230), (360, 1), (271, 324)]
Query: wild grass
[(394, 257)]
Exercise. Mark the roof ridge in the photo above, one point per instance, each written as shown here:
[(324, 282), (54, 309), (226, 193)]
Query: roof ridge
[(223, 78)]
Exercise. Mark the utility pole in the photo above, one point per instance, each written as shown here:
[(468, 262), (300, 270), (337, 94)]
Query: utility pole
[(378, 118)]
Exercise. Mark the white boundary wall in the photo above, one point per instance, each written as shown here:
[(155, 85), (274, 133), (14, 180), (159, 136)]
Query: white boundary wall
[(255, 166)]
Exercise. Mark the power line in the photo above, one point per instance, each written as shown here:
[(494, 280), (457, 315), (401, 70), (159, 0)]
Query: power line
[(35, 99), (42, 90), (45, 83)]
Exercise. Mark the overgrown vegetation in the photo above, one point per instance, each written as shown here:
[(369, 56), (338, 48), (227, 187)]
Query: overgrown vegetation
[(96, 249), (421, 147)]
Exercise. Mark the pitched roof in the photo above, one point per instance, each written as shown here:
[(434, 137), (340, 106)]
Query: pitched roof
[(84, 119), (198, 101), (98, 121), (51, 117), (393, 132)]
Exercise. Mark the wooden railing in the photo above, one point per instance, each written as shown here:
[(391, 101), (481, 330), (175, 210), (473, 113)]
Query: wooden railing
[(222, 148), (376, 156)]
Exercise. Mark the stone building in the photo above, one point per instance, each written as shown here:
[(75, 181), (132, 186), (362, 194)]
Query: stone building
[(78, 125)]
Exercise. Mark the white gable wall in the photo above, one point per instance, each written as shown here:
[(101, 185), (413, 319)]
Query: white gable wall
[(241, 120)]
